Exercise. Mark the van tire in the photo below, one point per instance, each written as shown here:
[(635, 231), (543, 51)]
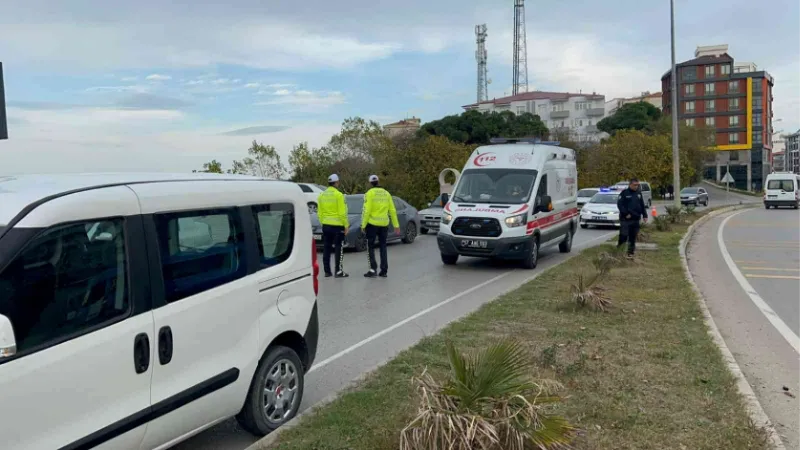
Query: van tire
[(449, 260), (566, 245), (532, 257), (252, 417)]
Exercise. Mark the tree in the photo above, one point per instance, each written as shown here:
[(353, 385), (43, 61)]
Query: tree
[(262, 161), (631, 116), (696, 142), (475, 127), (211, 167), (353, 152), (310, 165)]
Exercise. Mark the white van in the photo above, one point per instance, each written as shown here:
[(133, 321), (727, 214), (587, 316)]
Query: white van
[(782, 189), (512, 199), (139, 310)]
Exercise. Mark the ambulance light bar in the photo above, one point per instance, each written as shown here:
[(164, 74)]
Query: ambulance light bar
[(500, 140)]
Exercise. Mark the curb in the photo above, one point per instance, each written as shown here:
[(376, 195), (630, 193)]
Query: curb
[(754, 409)]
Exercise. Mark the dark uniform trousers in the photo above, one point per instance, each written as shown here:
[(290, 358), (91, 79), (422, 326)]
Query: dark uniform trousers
[(382, 233), (628, 231), (332, 238)]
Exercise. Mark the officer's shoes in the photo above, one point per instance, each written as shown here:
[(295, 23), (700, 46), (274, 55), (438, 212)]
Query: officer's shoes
[(383, 275), (370, 274), (328, 275), (341, 275)]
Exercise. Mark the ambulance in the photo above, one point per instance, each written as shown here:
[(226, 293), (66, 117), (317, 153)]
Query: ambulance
[(513, 198)]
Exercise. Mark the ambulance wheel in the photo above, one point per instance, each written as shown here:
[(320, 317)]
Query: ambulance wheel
[(566, 245), (449, 260), (532, 258)]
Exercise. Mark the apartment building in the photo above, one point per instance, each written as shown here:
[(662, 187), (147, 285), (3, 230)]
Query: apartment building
[(564, 113), (792, 152), (654, 99), (405, 126), (735, 99)]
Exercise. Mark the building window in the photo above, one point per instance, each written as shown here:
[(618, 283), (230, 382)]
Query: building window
[(689, 107), (520, 110), (710, 106), (709, 88), (689, 73), (690, 122), (757, 84), (733, 138), (733, 121), (733, 104), (757, 102), (726, 69), (709, 71), (733, 87), (757, 118), (689, 89), (757, 137), (733, 156), (709, 121)]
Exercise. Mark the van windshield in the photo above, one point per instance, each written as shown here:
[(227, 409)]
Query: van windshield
[(587, 192), (495, 186), (605, 199), (784, 185)]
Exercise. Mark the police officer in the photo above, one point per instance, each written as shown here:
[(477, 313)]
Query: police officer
[(332, 213), (631, 211), (378, 209)]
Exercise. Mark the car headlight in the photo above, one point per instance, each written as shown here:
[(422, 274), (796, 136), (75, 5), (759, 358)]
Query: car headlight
[(517, 221), (447, 218)]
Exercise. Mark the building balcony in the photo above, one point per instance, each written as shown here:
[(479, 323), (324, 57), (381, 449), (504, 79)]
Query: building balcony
[(559, 114), (595, 112), (591, 129)]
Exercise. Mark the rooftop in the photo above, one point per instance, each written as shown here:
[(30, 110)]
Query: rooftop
[(536, 95)]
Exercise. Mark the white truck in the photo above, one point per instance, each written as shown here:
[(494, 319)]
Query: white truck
[(513, 198)]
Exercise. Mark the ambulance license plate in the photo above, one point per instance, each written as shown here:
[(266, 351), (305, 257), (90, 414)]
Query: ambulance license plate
[(470, 243)]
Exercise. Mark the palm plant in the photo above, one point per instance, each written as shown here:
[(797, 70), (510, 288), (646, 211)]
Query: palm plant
[(605, 261), (662, 223), (490, 401), (675, 214), (586, 292)]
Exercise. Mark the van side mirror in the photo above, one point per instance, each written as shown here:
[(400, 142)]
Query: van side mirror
[(545, 204), (8, 345)]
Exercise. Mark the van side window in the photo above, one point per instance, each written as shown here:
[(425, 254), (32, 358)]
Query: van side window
[(305, 188), (275, 232), (67, 280), (200, 250), (542, 189), (645, 187)]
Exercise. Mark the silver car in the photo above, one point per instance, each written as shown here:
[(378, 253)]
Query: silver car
[(431, 217), (584, 195)]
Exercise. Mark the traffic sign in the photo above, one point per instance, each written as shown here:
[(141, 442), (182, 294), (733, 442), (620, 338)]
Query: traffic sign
[(727, 178)]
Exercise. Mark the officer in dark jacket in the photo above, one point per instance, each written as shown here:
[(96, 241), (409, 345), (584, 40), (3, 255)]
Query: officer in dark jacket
[(631, 211)]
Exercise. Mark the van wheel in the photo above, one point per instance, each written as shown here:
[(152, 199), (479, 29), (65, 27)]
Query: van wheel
[(566, 245), (411, 233), (449, 260), (275, 392), (584, 226), (532, 258)]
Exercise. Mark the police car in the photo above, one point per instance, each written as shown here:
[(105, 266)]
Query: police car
[(601, 209)]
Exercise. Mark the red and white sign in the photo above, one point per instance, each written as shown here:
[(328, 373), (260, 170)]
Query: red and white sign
[(486, 159)]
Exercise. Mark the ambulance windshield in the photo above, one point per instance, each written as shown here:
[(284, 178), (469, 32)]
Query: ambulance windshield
[(495, 186)]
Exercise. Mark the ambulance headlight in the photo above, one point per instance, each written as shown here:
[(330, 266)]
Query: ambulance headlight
[(447, 218), (517, 221)]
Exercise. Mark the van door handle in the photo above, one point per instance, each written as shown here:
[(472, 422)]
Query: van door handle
[(164, 345), (141, 353)]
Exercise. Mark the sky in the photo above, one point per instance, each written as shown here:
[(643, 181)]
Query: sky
[(93, 85)]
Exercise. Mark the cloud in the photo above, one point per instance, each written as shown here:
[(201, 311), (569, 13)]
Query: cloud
[(151, 102), (158, 77), (305, 98), (252, 85), (251, 131), (128, 88)]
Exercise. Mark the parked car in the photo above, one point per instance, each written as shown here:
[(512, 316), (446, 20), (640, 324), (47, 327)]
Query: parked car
[(694, 196), (431, 217), (782, 189), (584, 195), (151, 307), (311, 192), (601, 209), (406, 215)]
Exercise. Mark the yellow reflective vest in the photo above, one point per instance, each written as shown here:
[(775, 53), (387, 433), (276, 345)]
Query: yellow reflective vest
[(331, 208), (378, 208)]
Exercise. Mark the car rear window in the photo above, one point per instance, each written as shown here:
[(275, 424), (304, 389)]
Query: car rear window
[(786, 185), (587, 192)]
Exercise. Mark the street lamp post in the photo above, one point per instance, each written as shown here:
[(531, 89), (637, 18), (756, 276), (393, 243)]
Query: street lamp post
[(3, 122), (676, 166)]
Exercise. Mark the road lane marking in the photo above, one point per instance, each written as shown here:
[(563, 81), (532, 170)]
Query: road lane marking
[(759, 302), (762, 225), (388, 330), (777, 277), (774, 269), (756, 262)]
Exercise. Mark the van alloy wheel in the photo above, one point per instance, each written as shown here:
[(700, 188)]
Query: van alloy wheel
[(280, 391)]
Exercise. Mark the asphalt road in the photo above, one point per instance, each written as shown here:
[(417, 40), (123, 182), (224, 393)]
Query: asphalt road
[(365, 322), (747, 265)]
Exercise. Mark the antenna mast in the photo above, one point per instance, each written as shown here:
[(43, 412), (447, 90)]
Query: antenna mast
[(481, 58), (520, 83)]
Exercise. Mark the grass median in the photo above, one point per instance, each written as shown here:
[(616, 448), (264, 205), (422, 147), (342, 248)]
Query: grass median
[(645, 375)]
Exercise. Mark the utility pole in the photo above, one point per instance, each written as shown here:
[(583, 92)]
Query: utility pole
[(520, 82), (3, 121), (676, 163)]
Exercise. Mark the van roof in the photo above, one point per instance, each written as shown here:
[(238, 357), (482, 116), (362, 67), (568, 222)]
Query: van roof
[(19, 191), (516, 156)]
